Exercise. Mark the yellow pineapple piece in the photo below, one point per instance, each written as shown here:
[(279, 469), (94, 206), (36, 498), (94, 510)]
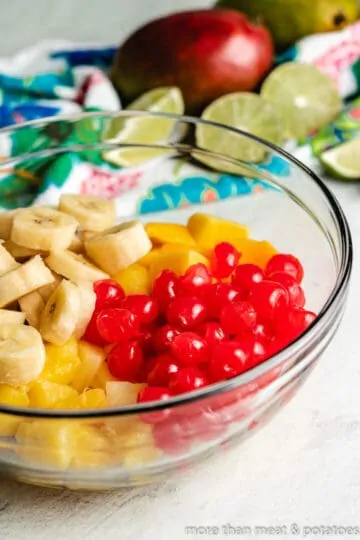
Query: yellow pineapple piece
[(61, 444), (134, 435), (46, 394), (93, 449), (62, 362), (16, 397), (163, 233), (140, 456), (93, 399), (134, 279), (50, 443), (208, 230), (122, 393), (255, 251), (135, 444), (102, 377), (166, 248), (89, 399), (91, 358), (178, 261), (150, 257)]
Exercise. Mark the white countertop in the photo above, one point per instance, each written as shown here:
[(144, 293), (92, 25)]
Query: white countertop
[(302, 468)]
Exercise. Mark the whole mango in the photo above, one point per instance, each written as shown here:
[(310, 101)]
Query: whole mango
[(206, 53)]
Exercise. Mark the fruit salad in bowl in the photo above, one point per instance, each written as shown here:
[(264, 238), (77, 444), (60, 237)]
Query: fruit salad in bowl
[(130, 347)]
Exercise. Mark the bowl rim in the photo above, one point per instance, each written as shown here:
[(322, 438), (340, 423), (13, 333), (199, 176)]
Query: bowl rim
[(334, 298)]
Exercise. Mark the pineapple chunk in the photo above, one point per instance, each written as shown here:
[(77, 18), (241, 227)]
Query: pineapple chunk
[(149, 258), (208, 230), (134, 444), (122, 393), (47, 442), (163, 233), (93, 449), (152, 256), (255, 251), (134, 279), (90, 399), (102, 377), (93, 399), (46, 394), (91, 358), (178, 261), (16, 397), (140, 456), (62, 362), (61, 443)]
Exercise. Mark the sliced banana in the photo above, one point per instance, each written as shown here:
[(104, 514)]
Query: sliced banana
[(119, 247), (22, 354), (7, 316), (7, 261), (47, 290), (6, 221), (87, 306), (32, 305), (77, 245), (92, 213), (43, 228), (26, 278), (86, 235), (21, 252), (74, 266), (61, 314)]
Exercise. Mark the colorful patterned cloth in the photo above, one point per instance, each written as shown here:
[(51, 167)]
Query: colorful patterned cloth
[(55, 78)]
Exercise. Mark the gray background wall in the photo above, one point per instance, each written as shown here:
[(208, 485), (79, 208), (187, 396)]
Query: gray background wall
[(23, 22)]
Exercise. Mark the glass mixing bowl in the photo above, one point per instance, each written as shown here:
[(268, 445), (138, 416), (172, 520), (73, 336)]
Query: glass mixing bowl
[(277, 197)]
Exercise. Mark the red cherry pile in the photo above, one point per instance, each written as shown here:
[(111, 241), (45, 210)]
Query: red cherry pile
[(205, 326)]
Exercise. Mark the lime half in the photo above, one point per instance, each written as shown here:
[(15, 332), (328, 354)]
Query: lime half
[(245, 111), (307, 98), (144, 129), (343, 161)]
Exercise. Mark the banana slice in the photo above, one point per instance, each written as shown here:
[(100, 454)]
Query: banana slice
[(74, 266), (32, 305), (22, 354), (6, 221), (77, 245), (43, 229), (87, 303), (21, 252), (92, 213), (26, 278), (119, 247), (7, 261), (86, 235), (7, 316), (61, 313), (47, 290)]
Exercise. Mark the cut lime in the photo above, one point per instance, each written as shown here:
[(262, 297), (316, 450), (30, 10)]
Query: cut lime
[(144, 129), (343, 161), (307, 98), (245, 111)]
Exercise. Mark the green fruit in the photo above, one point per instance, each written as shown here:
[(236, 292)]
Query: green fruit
[(306, 98), (290, 20), (146, 130), (343, 161), (245, 111)]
